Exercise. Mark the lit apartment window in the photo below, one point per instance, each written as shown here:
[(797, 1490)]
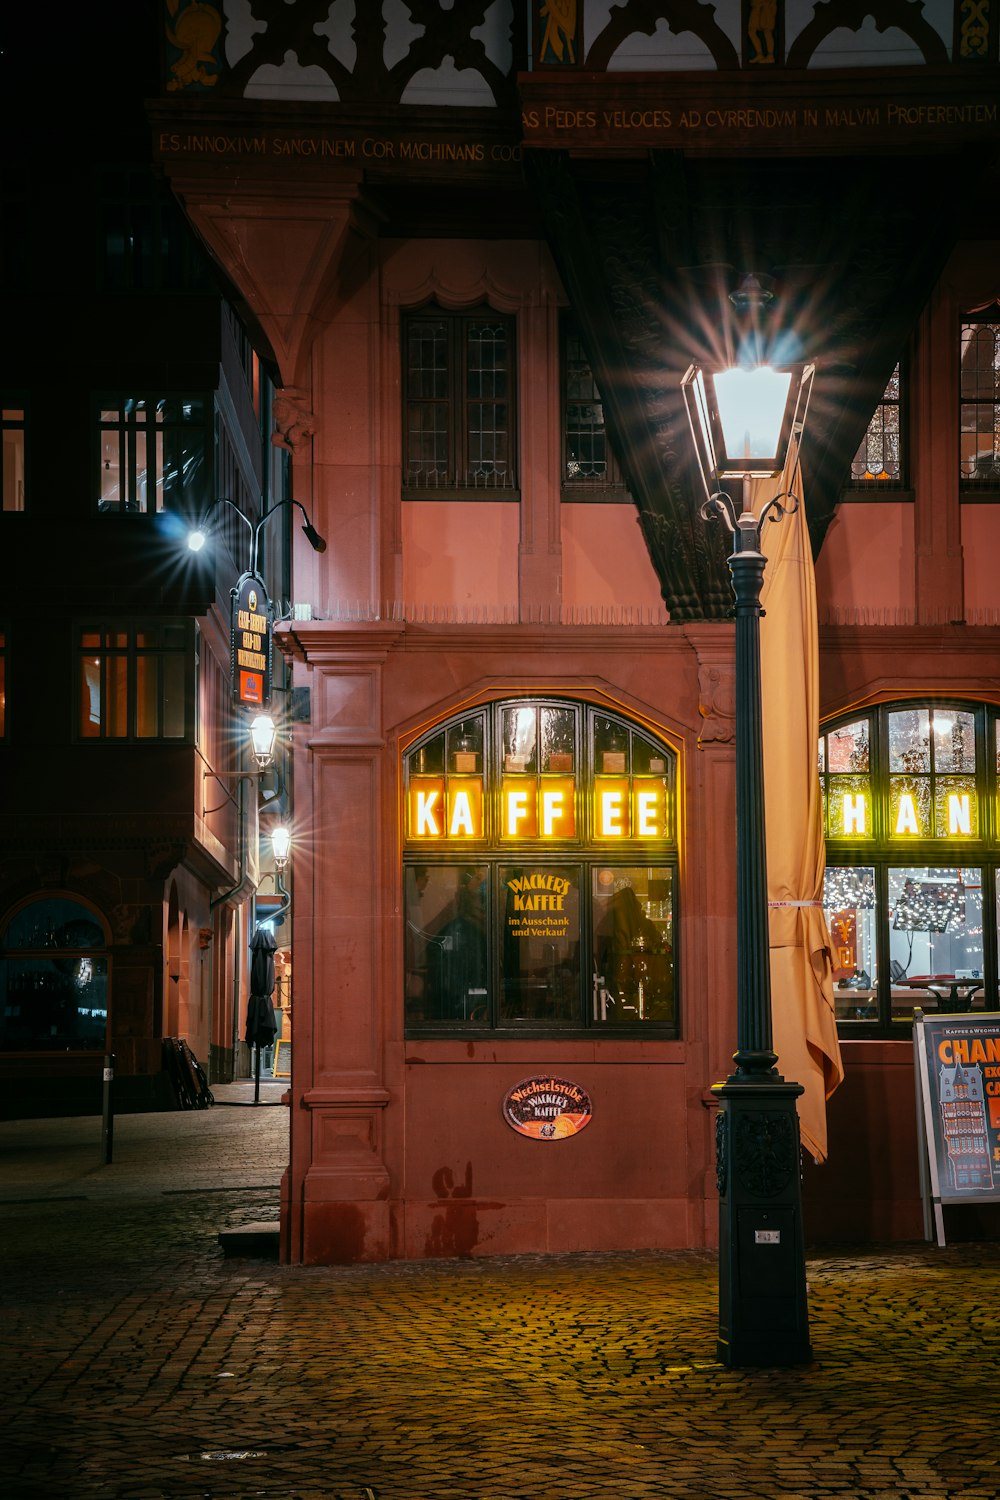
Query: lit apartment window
[(132, 681), (540, 874), (878, 463), (979, 421), (152, 454), (458, 403), (12, 471), (913, 859), (590, 470)]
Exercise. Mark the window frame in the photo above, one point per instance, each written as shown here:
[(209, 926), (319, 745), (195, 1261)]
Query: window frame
[(973, 488), (612, 489), (126, 431), (4, 679), (899, 488), (585, 851), (459, 483), (132, 654), (14, 418), (147, 245), (887, 853), (34, 954)]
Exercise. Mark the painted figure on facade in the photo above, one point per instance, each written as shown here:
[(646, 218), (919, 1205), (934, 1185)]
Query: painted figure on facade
[(760, 29), (194, 33), (560, 31)]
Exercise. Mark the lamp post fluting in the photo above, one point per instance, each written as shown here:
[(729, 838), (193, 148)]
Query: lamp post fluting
[(754, 1053), (763, 1313)]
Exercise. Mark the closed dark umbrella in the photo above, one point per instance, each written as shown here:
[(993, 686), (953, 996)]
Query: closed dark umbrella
[(261, 1024)]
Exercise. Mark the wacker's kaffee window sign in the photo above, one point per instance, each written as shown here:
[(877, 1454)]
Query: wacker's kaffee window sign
[(250, 643), (540, 872)]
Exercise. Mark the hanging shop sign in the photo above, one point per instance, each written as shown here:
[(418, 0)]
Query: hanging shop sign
[(251, 643), (547, 1109), (958, 1068)]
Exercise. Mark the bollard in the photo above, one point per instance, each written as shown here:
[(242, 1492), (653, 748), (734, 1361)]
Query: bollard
[(108, 1112)]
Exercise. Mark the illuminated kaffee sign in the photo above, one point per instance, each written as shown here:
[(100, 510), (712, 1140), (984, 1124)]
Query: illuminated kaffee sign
[(446, 810), (250, 643), (452, 808)]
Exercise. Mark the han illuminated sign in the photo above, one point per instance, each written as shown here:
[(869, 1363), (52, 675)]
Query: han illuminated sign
[(913, 813)]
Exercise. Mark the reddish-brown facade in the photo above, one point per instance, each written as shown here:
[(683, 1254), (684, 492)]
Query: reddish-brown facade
[(624, 176)]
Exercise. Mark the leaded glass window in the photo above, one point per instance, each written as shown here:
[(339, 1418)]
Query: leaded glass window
[(589, 465), (979, 424), (459, 403), (878, 461)]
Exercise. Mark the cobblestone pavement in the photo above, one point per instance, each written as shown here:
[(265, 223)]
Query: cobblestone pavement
[(138, 1362)]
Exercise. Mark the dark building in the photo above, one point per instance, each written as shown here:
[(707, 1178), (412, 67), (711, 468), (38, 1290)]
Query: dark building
[(133, 397)]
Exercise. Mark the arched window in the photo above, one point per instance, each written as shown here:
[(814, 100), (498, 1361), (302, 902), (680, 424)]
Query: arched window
[(53, 979), (913, 849), (540, 873)]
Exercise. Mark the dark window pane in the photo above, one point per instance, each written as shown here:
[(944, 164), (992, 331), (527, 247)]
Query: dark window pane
[(58, 1004), (446, 912), (53, 923)]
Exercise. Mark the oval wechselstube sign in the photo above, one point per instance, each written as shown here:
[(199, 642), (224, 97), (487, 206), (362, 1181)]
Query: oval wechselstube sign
[(547, 1109)]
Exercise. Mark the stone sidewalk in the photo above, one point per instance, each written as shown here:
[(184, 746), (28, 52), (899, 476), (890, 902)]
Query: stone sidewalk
[(139, 1362)]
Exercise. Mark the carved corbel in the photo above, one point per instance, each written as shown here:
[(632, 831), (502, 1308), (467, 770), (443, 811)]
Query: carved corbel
[(717, 702), (293, 419)]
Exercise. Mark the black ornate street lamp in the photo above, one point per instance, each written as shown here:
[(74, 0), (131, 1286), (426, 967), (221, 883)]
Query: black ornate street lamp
[(252, 623), (196, 537), (747, 424)]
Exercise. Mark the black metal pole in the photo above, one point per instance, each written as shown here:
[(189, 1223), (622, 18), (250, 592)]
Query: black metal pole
[(753, 963), (763, 1315), (108, 1111)]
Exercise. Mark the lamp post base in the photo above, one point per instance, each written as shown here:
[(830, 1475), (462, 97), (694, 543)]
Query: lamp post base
[(763, 1313)]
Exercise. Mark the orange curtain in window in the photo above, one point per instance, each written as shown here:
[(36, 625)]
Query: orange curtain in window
[(802, 1001)]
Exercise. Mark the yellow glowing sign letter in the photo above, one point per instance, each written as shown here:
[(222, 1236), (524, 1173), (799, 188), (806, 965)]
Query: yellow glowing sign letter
[(427, 824), (647, 815), (855, 813), (906, 817), (959, 813), (461, 820), (611, 815), (552, 812), (517, 810)]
